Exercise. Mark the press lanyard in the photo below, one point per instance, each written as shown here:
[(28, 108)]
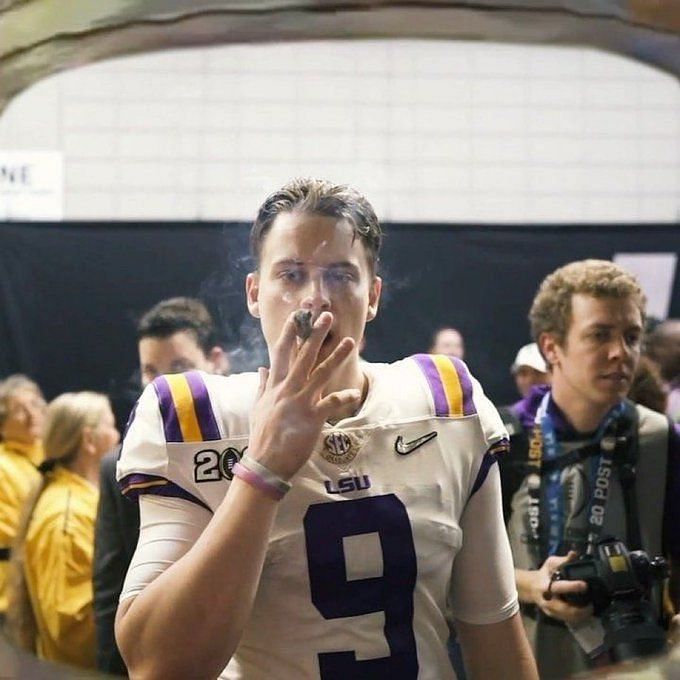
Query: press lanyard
[(545, 446)]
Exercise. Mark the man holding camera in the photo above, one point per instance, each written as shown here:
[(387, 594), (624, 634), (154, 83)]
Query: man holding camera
[(597, 465)]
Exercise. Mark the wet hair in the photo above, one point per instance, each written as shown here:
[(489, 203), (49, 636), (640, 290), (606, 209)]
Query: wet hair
[(179, 314), (551, 309), (320, 197), (9, 387), (66, 418)]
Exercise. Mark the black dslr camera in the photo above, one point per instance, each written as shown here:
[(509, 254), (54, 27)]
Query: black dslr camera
[(619, 588)]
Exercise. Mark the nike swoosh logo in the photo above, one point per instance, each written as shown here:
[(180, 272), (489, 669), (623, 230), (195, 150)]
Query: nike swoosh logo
[(404, 448)]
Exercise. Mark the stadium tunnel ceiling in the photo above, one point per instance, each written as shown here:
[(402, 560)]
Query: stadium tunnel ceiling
[(40, 37)]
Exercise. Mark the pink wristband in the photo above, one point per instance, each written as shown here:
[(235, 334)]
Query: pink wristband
[(257, 481)]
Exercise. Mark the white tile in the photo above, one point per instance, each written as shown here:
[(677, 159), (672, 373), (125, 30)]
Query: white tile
[(662, 123), (610, 123), (557, 180), (624, 150), (499, 179), (259, 115), (441, 119), (500, 149), (556, 208), (87, 115), (658, 93), (657, 180), (553, 122), (621, 209), (613, 179), (162, 115), (155, 175), (446, 179), (94, 205), (660, 208), (492, 207), (496, 121), (550, 61), (609, 93), (660, 151), (90, 144), (555, 93), (548, 150), (94, 173), (499, 92)]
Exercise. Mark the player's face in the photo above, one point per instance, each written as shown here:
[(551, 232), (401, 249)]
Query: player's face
[(313, 262), (25, 417), (175, 354), (594, 366)]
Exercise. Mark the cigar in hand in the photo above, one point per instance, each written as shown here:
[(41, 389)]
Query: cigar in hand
[(303, 323)]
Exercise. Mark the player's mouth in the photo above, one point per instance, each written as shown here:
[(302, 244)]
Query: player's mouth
[(619, 378)]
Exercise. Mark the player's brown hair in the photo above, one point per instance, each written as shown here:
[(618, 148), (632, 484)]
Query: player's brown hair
[(317, 196)]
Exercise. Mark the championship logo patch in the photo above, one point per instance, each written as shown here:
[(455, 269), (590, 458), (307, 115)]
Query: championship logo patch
[(228, 459), (340, 448)]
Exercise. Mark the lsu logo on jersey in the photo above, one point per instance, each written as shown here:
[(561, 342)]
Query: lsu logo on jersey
[(211, 465), (347, 484)]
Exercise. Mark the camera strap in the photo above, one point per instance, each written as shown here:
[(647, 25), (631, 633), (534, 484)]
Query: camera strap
[(546, 496)]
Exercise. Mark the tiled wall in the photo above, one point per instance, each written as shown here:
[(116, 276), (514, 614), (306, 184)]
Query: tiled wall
[(430, 131)]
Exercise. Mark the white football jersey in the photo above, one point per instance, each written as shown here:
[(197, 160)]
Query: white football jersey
[(393, 525)]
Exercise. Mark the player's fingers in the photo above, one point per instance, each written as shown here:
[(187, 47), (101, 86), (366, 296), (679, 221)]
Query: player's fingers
[(263, 374), (331, 403), (322, 373), (309, 351), (282, 351)]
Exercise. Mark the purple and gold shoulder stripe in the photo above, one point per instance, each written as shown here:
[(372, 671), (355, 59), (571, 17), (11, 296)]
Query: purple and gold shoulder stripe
[(490, 457), (185, 407), (135, 484), (449, 381)]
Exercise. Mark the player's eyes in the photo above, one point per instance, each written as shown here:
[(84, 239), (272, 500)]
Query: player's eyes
[(339, 277), (292, 275)]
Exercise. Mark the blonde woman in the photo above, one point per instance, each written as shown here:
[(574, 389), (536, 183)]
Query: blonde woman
[(50, 609)]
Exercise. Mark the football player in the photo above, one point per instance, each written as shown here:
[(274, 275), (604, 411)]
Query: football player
[(325, 517)]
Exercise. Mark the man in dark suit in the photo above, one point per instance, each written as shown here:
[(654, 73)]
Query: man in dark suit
[(174, 336)]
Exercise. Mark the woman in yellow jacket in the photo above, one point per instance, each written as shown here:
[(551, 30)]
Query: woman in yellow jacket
[(50, 610), (22, 412)]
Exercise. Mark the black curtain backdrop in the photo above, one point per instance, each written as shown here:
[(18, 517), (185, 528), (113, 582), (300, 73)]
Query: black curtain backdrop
[(71, 293)]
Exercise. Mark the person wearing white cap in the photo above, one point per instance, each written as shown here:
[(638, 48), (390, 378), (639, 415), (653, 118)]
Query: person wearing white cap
[(529, 369)]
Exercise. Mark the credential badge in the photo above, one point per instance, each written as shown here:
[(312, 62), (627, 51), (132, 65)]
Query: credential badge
[(340, 448)]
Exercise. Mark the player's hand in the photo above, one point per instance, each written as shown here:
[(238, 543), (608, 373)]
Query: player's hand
[(290, 410), (547, 593)]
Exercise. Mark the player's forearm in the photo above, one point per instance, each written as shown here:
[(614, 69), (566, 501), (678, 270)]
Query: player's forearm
[(497, 651), (198, 607)]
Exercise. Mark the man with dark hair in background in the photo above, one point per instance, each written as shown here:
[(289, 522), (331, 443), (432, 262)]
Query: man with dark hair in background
[(663, 348), (175, 335)]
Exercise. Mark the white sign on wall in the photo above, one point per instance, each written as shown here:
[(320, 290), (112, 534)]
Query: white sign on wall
[(656, 274), (31, 185)]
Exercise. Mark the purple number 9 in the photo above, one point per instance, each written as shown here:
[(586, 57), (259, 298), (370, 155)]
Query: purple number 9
[(326, 524)]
